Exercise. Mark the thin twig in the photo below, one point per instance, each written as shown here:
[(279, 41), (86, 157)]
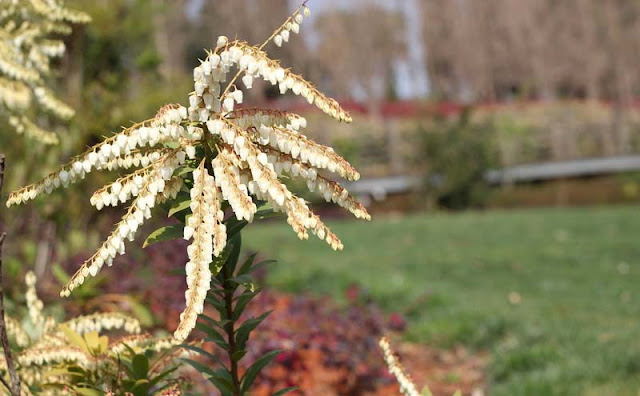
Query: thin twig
[(4, 382), (275, 32), (15, 380)]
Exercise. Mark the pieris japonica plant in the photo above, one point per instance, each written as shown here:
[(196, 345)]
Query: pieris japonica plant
[(212, 165), (77, 357), (27, 48)]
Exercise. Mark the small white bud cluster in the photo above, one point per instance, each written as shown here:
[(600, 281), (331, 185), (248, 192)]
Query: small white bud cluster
[(25, 126), (34, 304), (56, 12), (263, 182), (129, 186), (58, 354), (227, 176), (53, 104), (407, 387), (14, 95), (207, 78), (330, 190), (171, 190), (292, 25), (121, 190), (100, 322), (153, 183), (255, 118), (16, 332), (141, 343), (133, 160), (52, 48), (201, 226), (307, 151), (110, 153), (15, 70), (256, 63)]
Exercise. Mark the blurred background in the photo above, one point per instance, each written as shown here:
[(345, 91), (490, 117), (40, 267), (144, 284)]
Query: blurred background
[(499, 147)]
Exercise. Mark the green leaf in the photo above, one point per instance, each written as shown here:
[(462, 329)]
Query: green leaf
[(217, 304), (164, 234), (93, 342), (244, 280), (237, 355), (241, 303), (214, 335), (141, 312), (203, 352), (87, 392), (218, 323), (247, 264), (243, 332), (162, 375), (426, 392), (234, 226), (200, 367), (253, 371), (140, 366), (234, 253), (266, 214), (222, 380), (285, 390), (249, 267), (183, 170), (141, 387), (75, 338), (58, 372), (179, 204), (60, 274)]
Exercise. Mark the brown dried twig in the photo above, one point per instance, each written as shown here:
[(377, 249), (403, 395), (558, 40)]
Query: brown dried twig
[(15, 380)]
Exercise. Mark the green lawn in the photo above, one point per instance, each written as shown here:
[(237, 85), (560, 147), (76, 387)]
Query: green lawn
[(576, 329)]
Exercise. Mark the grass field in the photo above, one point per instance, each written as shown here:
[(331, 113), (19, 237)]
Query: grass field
[(576, 329)]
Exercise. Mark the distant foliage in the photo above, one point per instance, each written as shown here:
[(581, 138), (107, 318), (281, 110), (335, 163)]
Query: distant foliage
[(28, 46), (455, 156)]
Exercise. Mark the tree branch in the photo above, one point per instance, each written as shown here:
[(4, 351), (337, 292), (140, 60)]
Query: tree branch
[(15, 380)]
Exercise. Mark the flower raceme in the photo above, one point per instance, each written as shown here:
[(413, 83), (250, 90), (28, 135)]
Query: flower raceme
[(26, 52), (222, 155), (43, 345)]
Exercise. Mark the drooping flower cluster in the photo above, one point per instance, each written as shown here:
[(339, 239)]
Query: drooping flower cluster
[(26, 51), (223, 153), (209, 236), (407, 387), (42, 343)]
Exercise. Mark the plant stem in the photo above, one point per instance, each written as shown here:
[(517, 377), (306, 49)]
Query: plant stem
[(15, 380), (229, 290)]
